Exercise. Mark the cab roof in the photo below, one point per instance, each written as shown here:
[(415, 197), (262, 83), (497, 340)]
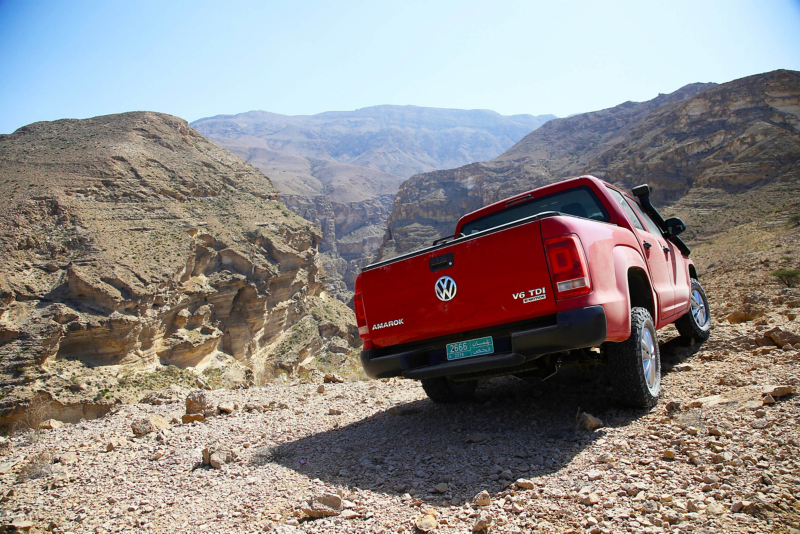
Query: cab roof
[(529, 195)]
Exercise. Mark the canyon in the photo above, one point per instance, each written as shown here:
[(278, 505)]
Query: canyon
[(342, 170)]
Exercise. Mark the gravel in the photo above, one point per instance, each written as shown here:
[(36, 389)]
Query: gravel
[(378, 456)]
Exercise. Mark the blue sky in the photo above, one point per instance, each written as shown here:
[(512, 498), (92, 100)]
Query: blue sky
[(195, 59)]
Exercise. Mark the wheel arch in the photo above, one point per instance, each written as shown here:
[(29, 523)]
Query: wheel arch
[(693, 272), (634, 288), (640, 292)]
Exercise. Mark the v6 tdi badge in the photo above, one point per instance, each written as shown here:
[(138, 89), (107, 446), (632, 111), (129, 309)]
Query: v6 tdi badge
[(533, 295)]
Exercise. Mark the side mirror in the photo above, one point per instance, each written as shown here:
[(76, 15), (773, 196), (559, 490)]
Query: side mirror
[(675, 226)]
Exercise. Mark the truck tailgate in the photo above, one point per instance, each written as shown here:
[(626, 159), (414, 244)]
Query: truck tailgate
[(500, 277)]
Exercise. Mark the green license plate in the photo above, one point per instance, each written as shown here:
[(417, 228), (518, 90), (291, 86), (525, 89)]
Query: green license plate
[(472, 347)]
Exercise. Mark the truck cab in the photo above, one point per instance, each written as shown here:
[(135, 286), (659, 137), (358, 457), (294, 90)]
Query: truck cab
[(576, 272)]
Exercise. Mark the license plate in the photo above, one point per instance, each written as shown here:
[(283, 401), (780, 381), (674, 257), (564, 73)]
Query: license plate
[(470, 348)]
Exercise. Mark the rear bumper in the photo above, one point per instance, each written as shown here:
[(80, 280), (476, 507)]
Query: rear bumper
[(574, 329)]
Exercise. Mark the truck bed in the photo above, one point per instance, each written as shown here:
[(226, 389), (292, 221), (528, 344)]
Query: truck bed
[(500, 274)]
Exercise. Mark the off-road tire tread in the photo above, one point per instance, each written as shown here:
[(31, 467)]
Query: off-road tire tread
[(439, 390), (687, 328), (627, 374)]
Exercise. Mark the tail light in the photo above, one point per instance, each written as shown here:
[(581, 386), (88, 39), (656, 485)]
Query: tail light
[(361, 316), (568, 266)]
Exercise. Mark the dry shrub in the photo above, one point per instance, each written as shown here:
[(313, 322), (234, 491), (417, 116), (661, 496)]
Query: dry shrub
[(266, 455), (31, 422), (39, 465)]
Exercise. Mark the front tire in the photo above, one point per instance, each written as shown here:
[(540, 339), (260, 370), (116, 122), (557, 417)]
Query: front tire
[(696, 324), (636, 363), (441, 389)]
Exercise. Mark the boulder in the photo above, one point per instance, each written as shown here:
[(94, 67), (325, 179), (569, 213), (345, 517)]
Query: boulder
[(191, 417), (589, 500), (50, 424), (777, 391), (144, 426), (483, 522), (199, 402), (325, 505), (19, 525), (589, 422), (482, 499), (743, 396), (754, 306), (226, 407), (782, 337), (427, 522), (217, 454)]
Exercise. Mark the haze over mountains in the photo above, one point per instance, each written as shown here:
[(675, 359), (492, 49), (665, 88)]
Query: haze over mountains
[(718, 154), (389, 140), (342, 169)]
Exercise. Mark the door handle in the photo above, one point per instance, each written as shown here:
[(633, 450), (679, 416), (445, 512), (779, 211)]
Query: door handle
[(665, 249), (646, 244)]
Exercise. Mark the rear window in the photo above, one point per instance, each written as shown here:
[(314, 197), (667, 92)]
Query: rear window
[(580, 202)]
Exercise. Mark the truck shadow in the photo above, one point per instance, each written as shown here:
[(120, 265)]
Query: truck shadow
[(677, 350), (512, 429)]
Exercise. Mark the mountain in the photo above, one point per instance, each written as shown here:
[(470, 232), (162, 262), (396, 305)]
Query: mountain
[(132, 242), (719, 155), (342, 170), (390, 140)]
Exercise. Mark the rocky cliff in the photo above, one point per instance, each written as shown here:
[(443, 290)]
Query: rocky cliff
[(347, 166), (719, 155), (352, 235), (133, 242)]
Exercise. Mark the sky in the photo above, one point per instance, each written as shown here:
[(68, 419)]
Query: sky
[(195, 59)]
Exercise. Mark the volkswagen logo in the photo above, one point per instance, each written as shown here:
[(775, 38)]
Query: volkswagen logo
[(445, 288)]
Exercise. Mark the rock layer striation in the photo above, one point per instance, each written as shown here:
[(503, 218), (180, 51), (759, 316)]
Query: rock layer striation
[(131, 240)]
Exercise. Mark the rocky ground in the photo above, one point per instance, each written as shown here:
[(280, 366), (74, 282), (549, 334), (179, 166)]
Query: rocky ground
[(718, 453)]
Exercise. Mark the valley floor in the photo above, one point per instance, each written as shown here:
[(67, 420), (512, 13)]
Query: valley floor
[(392, 455)]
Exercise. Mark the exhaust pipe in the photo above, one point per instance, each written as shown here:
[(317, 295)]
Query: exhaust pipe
[(642, 192)]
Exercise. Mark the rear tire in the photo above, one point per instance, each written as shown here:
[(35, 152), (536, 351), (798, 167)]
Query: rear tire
[(696, 324), (441, 389), (636, 363)]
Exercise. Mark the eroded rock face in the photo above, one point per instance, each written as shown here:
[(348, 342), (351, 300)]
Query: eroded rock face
[(723, 155), (132, 240), (352, 235)]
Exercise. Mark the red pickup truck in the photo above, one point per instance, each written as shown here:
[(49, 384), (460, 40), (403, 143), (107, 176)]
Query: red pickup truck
[(574, 273)]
